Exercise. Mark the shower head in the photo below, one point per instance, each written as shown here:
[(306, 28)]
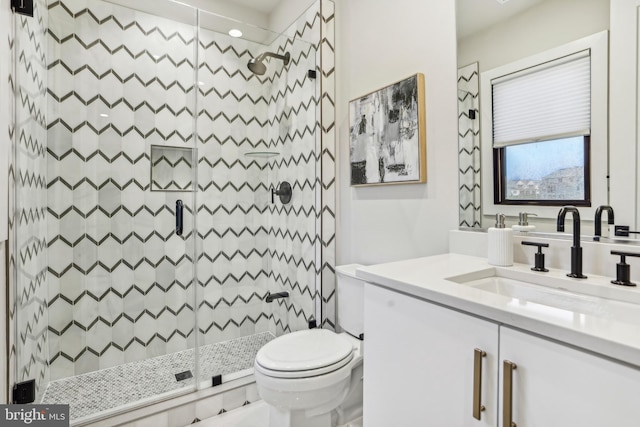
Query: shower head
[(256, 65)]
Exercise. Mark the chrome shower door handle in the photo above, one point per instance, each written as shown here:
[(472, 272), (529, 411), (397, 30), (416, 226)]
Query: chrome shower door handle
[(179, 217)]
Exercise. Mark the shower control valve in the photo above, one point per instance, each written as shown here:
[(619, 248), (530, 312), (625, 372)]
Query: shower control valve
[(283, 191)]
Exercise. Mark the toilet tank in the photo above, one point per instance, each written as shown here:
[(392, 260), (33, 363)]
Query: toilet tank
[(350, 295)]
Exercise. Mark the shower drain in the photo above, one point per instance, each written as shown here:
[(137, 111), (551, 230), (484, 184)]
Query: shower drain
[(184, 376)]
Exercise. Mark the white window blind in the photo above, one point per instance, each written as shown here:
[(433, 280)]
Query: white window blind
[(545, 102)]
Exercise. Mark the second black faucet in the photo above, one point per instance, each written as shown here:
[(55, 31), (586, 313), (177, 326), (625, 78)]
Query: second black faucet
[(576, 250), (597, 222)]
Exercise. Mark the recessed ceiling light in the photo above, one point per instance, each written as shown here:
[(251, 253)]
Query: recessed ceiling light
[(502, 1), (234, 32), (104, 115)]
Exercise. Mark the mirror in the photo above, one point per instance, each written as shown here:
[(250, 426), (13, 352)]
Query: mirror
[(492, 33)]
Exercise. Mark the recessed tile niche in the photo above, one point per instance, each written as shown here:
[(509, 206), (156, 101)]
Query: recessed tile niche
[(172, 168)]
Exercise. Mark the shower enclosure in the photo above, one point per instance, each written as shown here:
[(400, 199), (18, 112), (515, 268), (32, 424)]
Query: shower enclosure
[(145, 240)]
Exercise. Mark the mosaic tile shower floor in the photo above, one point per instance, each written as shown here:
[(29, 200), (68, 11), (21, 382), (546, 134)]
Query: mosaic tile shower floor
[(106, 389)]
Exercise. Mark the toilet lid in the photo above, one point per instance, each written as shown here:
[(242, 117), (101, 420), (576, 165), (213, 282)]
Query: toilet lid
[(304, 350)]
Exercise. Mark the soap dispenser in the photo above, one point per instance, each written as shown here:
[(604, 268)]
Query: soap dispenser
[(523, 223), (500, 240)]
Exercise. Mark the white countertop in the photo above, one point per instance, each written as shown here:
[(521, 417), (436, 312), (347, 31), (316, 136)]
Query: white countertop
[(425, 278)]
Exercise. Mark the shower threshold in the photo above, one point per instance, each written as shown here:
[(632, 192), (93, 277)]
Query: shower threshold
[(112, 388)]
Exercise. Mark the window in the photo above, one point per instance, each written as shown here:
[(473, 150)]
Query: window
[(541, 128), (549, 173), (544, 131)]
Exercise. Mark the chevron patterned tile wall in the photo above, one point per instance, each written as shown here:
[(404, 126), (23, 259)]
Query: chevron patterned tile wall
[(328, 164), (469, 146), (7, 36), (232, 212), (7, 127), (28, 258), (120, 279), (294, 133), (316, 26)]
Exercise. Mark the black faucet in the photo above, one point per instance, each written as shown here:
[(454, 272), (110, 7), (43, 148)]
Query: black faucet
[(597, 222), (576, 250)]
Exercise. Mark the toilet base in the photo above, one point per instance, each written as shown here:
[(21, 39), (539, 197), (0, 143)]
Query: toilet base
[(279, 418), (351, 407), (326, 400)]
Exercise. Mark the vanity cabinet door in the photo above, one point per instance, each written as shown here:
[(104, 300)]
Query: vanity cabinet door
[(419, 363), (554, 385)]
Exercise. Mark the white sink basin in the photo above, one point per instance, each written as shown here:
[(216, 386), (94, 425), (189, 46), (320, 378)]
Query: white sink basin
[(565, 296)]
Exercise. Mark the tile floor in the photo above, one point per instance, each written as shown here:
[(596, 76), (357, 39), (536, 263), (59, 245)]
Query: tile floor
[(253, 415), (106, 389)]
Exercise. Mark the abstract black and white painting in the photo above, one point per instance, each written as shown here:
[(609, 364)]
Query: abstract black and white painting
[(387, 141)]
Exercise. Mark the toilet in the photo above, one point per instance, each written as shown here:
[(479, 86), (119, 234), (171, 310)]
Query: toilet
[(313, 378)]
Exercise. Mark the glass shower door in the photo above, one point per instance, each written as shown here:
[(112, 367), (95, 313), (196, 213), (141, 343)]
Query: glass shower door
[(255, 129), (108, 152), (111, 154)]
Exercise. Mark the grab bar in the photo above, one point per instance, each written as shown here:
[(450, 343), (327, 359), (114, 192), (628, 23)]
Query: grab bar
[(179, 222)]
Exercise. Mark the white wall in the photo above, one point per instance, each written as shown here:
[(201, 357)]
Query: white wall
[(542, 27), (286, 12), (379, 42), (231, 10), (279, 19), (178, 12)]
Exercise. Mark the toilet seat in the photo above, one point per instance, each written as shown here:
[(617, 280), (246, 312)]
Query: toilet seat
[(306, 373), (304, 354)]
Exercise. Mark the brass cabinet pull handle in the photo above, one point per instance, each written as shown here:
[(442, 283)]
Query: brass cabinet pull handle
[(507, 394), (477, 382)]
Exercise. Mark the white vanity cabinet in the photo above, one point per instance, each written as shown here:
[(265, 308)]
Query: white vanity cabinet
[(419, 363), (419, 371), (555, 385)]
